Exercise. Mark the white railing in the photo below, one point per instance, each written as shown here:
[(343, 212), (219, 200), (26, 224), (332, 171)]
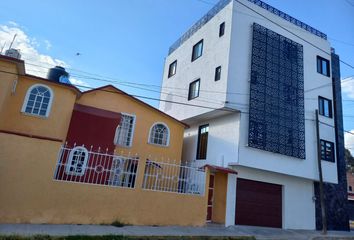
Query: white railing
[(172, 177), (84, 165)]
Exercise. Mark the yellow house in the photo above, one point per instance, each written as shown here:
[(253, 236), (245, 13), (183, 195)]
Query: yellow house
[(92, 157)]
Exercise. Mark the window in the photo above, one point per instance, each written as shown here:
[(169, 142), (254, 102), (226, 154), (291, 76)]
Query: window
[(202, 141), (327, 151), (350, 189), (194, 89), (197, 50), (325, 107), (217, 73), (77, 161), (323, 66), (125, 131), (172, 69), (222, 29), (38, 100), (159, 134)]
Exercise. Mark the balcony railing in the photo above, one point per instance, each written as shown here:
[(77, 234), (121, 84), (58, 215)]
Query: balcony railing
[(222, 3), (201, 22)]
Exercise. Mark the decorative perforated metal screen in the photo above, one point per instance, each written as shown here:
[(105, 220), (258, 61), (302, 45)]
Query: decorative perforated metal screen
[(276, 121)]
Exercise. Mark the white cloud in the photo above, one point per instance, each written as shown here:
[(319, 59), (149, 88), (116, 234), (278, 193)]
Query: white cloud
[(12, 23), (36, 63), (48, 45), (349, 141), (79, 83), (348, 86)]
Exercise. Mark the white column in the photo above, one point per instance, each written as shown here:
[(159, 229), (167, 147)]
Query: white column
[(230, 200)]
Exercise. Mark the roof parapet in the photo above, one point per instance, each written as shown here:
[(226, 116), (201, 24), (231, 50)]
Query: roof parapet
[(222, 4)]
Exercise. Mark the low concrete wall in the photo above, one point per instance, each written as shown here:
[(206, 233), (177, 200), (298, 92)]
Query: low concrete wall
[(30, 195)]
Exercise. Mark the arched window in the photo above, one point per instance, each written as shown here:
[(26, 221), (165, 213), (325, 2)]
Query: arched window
[(38, 100), (159, 134), (77, 161)]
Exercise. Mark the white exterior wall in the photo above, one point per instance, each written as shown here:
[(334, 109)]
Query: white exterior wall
[(239, 81), (228, 134), (223, 139), (215, 53), (298, 205)]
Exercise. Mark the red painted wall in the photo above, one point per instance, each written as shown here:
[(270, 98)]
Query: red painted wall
[(91, 127)]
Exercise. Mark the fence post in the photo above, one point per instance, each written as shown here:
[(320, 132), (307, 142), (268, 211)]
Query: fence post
[(140, 172)]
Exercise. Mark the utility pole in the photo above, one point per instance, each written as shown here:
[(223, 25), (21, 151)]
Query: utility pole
[(323, 206)]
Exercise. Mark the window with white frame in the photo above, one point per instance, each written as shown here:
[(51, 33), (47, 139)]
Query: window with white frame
[(125, 131), (77, 161), (38, 100), (159, 134)]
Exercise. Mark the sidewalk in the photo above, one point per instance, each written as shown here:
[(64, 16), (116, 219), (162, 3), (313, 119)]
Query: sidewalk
[(210, 230)]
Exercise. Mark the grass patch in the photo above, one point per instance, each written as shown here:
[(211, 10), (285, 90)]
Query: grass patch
[(111, 237)]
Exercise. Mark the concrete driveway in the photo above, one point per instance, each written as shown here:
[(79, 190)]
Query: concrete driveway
[(210, 230)]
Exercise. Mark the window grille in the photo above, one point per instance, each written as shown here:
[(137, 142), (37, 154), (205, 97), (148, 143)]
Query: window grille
[(77, 161), (125, 130), (159, 134), (38, 100)]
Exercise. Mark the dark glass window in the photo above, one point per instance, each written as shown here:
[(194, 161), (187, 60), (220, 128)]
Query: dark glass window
[(194, 89), (197, 50), (218, 73), (350, 189), (327, 151), (202, 141), (222, 29), (325, 107), (323, 66), (172, 69)]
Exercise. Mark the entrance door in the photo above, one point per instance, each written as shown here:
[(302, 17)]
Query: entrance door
[(258, 204), (210, 197)]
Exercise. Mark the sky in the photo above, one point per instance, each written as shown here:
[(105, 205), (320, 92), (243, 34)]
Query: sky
[(126, 41)]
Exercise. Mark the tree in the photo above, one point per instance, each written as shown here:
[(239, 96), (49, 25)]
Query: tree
[(349, 160)]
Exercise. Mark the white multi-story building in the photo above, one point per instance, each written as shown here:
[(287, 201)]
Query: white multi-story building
[(248, 79)]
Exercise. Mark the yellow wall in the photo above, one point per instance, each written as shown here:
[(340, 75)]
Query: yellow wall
[(55, 126), (145, 118), (219, 203), (30, 195), (6, 82)]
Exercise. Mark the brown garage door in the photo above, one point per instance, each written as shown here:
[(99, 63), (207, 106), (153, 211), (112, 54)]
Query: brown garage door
[(258, 204)]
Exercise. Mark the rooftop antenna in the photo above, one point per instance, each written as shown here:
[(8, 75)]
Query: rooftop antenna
[(13, 40), (2, 48)]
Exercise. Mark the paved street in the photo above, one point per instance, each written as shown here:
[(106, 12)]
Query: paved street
[(210, 230)]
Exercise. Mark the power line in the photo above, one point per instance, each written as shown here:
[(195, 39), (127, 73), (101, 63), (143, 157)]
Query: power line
[(340, 41), (124, 83), (180, 96), (174, 102), (139, 96)]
